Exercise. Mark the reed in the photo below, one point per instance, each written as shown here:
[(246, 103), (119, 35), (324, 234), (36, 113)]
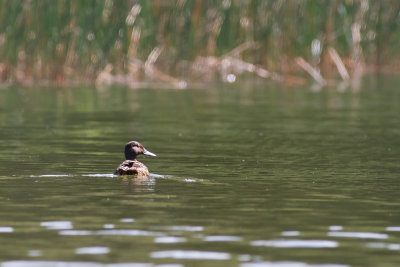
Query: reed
[(114, 41)]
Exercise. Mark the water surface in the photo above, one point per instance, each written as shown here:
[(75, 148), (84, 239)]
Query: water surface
[(245, 176)]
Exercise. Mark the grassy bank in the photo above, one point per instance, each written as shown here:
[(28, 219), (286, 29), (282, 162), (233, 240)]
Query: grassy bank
[(181, 42)]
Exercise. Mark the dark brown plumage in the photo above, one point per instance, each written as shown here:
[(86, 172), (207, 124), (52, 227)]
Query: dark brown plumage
[(131, 165)]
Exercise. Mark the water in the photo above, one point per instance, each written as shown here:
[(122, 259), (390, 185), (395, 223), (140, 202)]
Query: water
[(245, 176)]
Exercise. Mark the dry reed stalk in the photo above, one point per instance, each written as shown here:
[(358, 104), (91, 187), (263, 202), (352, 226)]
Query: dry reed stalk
[(312, 71), (156, 74), (339, 64)]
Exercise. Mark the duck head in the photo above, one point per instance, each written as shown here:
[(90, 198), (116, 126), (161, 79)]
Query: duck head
[(133, 149)]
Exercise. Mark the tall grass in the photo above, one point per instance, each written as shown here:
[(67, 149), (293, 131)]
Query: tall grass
[(75, 41)]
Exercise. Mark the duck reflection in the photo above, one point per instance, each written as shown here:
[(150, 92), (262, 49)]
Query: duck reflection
[(138, 183)]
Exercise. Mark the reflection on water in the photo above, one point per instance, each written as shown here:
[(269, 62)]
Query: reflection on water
[(335, 228), (191, 255), (358, 235), (49, 175), (6, 229), (222, 238), (57, 225), (288, 264), (132, 264), (127, 220), (296, 243), (92, 250), (115, 232), (383, 245), (169, 239), (72, 264), (182, 228), (393, 228), (35, 253), (290, 233), (245, 177), (100, 175), (139, 184), (109, 226)]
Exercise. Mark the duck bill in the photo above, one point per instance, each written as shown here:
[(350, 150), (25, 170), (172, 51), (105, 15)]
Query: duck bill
[(148, 153)]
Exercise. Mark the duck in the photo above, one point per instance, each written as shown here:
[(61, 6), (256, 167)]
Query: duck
[(131, 166)]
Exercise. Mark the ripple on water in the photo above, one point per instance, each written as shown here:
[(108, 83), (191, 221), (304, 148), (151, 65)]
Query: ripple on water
[(127, 220), (6, 229), (70, 264), (109, 226), (222, 238), (290, 233), (57, 225), (184, 228), (294, 243), (154, 175), (382, 245), (50, 175), (35, 253), (106, 175), (191, 255), (76, 232), (169, 239), (393, 228), (287, 264), (335, 228), (92, 250), (110, 232), (362, 235)]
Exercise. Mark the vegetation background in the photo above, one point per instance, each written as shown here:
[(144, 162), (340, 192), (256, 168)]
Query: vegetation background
[(180, 42)]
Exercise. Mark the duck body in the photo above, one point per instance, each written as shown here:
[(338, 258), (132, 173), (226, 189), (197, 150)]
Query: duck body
[(131, 166)]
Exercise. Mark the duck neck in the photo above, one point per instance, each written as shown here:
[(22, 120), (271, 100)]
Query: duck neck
[(129, 155)]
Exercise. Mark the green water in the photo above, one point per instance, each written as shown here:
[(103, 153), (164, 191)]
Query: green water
[(245, 176)]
